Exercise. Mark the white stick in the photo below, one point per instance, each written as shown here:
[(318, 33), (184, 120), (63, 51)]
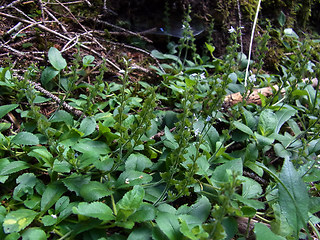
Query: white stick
[(251, 41)]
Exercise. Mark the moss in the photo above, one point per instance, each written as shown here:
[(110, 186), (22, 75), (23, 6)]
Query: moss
[(249, 9), (273, 57), (226, 9)]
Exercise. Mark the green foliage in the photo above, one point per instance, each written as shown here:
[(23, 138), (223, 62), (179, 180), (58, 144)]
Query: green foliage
[(263, 232), (7, 108), (293, 197), (125, 169), (15, 221)]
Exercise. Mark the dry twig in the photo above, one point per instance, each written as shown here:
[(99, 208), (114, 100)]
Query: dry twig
[(123, 30), (55, 98), (59, 35)]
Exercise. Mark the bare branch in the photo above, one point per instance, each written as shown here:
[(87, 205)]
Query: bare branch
[(59, 35)]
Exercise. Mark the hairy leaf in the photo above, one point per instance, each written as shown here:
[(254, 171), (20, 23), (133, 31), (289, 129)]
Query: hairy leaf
[(132, 178), (62, 116), (220, 174), (140, 233), (26, 182), (170, 142), (201, 209), (49, 220), (87, 145), (146, 212), (62, 204), (42, 155), (87, 60)]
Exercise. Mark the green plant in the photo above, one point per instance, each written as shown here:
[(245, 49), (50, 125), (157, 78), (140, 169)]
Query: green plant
[(186, 43), (162, 162)]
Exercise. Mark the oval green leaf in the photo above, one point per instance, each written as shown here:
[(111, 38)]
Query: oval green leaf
[(25, 138), (7, 108), (56, 59), (51, 195), (62, 116), (87, 60), (293, 197), (48, 74), (243, 128), (34, 234), (283, 116), (137, 162), (169, 225), (268, 122), (13, 167), (264, 233), (87, 126), (87, 145), (130, 178), (132, 199), (18, 220), (95, 210)]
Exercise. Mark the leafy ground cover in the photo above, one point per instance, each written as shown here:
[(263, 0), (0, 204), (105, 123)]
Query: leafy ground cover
[(175, 158)]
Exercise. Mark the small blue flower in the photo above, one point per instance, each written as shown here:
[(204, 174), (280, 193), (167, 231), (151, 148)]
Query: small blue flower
[(231, 30), (193, 75), (252, 78), (196, 132), (208, 119), (195, 118)]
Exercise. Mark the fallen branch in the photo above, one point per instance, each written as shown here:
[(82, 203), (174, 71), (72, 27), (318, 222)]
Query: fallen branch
[(65, 105), (58, 100), (254, 97)]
